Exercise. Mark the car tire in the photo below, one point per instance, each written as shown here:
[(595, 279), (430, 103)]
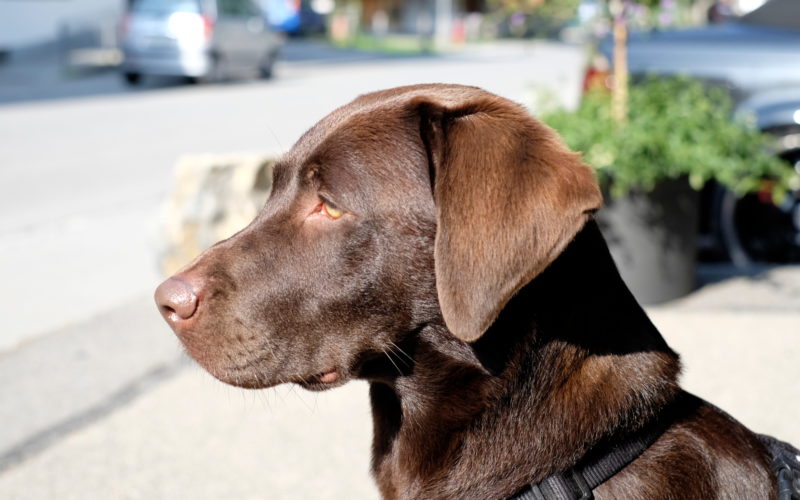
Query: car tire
[(267, 67), (132, 78), (751, 229)]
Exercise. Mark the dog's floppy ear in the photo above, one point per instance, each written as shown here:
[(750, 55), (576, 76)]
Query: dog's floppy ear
[(509, 197)]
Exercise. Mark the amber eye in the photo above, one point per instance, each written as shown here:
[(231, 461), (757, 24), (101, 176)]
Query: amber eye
[(331, 211)]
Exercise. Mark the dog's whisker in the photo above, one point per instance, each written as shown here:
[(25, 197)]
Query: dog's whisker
[(311, 409), (264, 399), (399, 371), (275, 136), (299, 396), (389, 349), (278, 394), (396, 348), (397, 356), (404, 353)]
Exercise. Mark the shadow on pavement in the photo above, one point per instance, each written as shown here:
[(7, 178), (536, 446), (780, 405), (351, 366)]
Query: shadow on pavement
[(713, 273)]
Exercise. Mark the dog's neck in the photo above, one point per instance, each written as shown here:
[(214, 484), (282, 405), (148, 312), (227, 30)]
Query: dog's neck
[(571, 360)]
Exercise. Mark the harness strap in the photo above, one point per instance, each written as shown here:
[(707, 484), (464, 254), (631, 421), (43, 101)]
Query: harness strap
[(593, 470), (785, 465), (578, 482)]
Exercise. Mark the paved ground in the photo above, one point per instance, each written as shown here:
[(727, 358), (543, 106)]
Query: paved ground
[(174, 432)]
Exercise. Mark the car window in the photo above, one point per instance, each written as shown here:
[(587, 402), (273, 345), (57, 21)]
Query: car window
[(253, 9), (165, 6), (236, 8)]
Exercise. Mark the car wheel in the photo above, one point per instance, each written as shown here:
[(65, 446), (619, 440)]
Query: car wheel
[(753, 229), (265, 70), (132, 78), (219, 70)]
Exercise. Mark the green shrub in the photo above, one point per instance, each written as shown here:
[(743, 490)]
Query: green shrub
[(676, 127)]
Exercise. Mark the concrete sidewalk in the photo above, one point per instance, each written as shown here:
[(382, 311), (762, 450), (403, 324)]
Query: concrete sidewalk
[(119, 414)]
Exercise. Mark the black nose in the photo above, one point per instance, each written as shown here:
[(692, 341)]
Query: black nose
[(177, 300)]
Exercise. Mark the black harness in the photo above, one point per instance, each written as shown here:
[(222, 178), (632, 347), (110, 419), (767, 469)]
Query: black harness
[(785, 465), (597, 467)]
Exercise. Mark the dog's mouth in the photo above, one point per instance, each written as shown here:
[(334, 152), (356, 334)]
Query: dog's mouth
[(318, 382), (324, 380)]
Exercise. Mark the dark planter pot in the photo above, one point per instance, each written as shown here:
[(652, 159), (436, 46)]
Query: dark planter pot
[(653, 239)]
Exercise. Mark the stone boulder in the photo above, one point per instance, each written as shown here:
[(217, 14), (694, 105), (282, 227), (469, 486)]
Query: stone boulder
[(213, 197)]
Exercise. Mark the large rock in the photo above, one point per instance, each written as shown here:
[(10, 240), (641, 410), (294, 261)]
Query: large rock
[(214, 196)]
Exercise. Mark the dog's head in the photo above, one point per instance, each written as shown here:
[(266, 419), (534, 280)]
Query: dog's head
[(410, 206)]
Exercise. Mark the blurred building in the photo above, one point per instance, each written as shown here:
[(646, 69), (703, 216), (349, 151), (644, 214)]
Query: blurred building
[(445, 21), (415, 16), (25, 23)]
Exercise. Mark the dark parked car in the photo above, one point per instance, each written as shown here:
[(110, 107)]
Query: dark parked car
[(196, 39), (757, 58)]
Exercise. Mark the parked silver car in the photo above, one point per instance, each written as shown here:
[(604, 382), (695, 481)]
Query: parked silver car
[(757, 58), (196, 39)]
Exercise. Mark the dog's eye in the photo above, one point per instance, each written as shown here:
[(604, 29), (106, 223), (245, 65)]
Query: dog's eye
[(331, 211)]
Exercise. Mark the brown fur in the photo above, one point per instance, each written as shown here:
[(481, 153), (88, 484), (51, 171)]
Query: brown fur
[(467, 282)]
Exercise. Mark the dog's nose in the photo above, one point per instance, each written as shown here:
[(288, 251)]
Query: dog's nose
[(177, 300)]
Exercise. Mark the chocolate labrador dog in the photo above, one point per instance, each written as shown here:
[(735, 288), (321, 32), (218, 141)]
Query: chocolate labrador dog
[(438, 242)]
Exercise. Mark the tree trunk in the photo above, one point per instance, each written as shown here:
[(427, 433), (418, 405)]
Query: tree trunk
[(619, 93)]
